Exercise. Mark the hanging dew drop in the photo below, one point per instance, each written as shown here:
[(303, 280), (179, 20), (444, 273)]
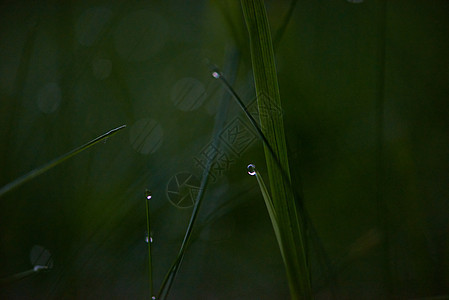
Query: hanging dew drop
[(148, 239), (251, 169), (216, 75), (39, 268), (148, 194)]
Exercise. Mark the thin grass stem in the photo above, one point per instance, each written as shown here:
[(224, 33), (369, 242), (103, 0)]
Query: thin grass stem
[(218, 127), (42, 169), (308, 224), (150, 241), (270, 207), (22, 275)]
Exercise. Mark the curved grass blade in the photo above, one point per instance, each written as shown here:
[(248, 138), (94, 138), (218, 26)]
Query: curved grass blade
[(218, 127), (291, 226), (274, 221), (171, 274), (219, 75), (41, 260), (42, 169), (270, 207), (21, 275), (308, 224), (216, 73)]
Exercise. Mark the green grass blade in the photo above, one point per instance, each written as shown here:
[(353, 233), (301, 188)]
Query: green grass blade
[(18, 276), (150, 241), (171, 274), (219, 75), (42, 169), (328, 269), (270, 207), (291, 229), (218, 127)]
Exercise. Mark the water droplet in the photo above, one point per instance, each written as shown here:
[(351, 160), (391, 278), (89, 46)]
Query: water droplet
[(216, 75), (40, 258), (154, 298), (251, 169), (39, 268), (148, 194), (148, 238)]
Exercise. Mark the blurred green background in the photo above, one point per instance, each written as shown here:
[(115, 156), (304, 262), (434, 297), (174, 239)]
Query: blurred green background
[(368, 138)]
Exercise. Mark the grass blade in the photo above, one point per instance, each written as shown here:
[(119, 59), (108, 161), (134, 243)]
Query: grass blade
[(218, 127), (270, 207), (42, 169), (268, 98), (150, 241), (328, 269), (171, 274), (19, 276)]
